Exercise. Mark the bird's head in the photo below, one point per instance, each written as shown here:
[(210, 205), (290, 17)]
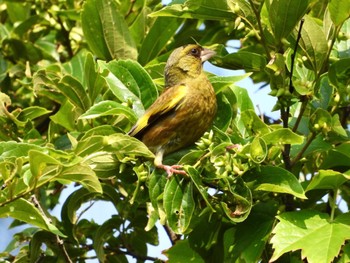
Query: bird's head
[(185, 62)]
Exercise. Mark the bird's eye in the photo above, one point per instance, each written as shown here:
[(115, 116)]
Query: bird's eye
[(195, 52)]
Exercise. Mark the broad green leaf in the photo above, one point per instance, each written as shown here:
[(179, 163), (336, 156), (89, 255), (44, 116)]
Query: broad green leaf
[(273, 179), (121, 91), (179, 204), (182, 251), (221, 82), (205, 9), (195, 177), (107, 108), (81, 174), (246, 60), (93, 29), (25, 211), (284, 15), (283, 136), (314, 44), (75, 66), (31, 113), (66, 116), (224, 111), (339, 72), (17, 11), (12, 149), (258, 150), (124, 144), (136, 79), (327, 179), (337, 126), (116, 33), (157, 37), (243, 100), (103, 234), (301, 229), (236, 200), (94, 81), (39, 161), (247, 240), (339, 10), (253, 124), (74, 92)]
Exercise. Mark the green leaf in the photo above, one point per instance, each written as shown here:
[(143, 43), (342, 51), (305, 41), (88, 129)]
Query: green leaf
[(246, 60), (284, 15), (124, 144), (179, 204), (195, 177), (339, 10), (300, 230), (273, 179), (107, 108), (103, 234), (182, 251), (247, 240), (224, 112), (314, 44), (93, 29), (12, 149), (258, 150), (243, 100), (31, 113), (283, 136), (222, 82), (25, 211), (81, 174), (155, 41), (253, 124), (74, 92), (204, 9), (94, 81), (136, 79), (327, 179), (116, 33)]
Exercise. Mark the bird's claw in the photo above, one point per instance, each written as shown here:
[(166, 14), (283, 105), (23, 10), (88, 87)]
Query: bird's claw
[(172, 169)]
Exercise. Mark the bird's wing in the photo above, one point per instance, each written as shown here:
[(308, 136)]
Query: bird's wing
[(169, 100)]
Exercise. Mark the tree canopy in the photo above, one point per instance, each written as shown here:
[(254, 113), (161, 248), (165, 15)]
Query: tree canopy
[(76, 75)]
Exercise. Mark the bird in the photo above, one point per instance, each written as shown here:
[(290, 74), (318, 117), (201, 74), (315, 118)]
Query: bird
[(185, 109)]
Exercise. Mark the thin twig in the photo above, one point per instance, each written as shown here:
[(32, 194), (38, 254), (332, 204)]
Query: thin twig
[(171, 234), (262, 36), (301, 113), (291, 87), (59, 241), (302, 151)]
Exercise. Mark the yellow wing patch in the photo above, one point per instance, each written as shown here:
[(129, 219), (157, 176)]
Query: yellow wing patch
[(167, 101)]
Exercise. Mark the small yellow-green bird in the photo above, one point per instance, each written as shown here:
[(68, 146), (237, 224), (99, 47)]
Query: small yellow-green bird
[(184, 111)]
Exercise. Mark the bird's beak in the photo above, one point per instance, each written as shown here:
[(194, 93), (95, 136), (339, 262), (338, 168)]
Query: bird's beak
[(207, 54)]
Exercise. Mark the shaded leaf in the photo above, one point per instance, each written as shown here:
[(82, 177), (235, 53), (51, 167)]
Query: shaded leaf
[(179, 204)]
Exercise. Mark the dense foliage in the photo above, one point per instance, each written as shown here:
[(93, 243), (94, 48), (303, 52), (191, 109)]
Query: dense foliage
[(75, 76)]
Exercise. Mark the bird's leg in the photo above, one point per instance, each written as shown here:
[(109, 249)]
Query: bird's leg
[(170, 169)]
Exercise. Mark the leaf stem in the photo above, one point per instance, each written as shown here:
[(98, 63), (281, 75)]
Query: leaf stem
[(302, 151), (262, 36), (333, 203), (301, 113), (59, 241)]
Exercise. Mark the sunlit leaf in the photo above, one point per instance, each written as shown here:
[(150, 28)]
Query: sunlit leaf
[(301, 229), (273, 179)]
